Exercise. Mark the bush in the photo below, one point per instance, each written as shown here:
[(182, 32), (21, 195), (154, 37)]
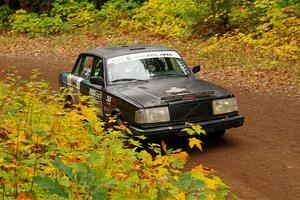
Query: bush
[(50, 152), (166, 17), (5, 12), (23, 22), (64, 16), (156, 17), (266, 37), (114, 11), (270, 51), (76, 13)]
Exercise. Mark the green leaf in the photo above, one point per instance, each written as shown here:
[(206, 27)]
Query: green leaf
[(135, 143), (100, 194), (4, 175), (198, 129), (142, 137), (64, 168), (86, 178), (189, 131), (186, 182), (50, 186)]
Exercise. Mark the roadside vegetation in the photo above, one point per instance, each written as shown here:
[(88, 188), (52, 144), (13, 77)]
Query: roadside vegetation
[(48, 152), (262, 35)]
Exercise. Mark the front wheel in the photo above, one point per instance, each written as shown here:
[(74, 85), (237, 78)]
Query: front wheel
[(217, 134)]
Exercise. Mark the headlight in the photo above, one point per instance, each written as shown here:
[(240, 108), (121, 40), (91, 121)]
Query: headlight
[(222, 106), (152, 115)]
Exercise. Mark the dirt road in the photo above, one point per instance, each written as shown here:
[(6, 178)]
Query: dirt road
[(260, 160)]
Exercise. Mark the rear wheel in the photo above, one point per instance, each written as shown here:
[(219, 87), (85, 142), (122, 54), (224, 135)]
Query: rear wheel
[(69, 102)]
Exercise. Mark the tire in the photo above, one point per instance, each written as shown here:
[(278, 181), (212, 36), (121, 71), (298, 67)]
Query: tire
[(217, 134), (68, 104)]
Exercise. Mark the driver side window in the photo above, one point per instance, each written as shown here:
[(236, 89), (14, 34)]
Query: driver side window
[(98, 68), (87, 66)]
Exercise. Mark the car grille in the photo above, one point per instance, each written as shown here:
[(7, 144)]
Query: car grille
[(191, 111)]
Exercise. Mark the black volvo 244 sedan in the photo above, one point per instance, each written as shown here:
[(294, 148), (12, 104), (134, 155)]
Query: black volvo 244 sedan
[(151, 89)]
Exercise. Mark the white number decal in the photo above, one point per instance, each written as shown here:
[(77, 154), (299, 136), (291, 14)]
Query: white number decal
[(108, 99)]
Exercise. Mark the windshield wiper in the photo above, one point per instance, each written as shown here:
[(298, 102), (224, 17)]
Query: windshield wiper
[(128, 79), (169, 74)]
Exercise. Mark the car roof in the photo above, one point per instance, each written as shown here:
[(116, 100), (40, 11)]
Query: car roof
[(114, 51)]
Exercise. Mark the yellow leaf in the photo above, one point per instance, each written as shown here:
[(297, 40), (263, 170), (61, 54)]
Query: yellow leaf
[(129, 132), (26, 147), (180, 196), (210, 184), (2, 160), (36, 139), (202, 170), (211, 196), (182, 156), (195, 142), (164, 146), (137, 167)]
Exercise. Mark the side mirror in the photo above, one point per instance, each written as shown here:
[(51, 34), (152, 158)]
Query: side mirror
[(97, 80), (196, 69)]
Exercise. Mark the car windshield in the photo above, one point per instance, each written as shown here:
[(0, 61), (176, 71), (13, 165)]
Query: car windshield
[(145, 66)]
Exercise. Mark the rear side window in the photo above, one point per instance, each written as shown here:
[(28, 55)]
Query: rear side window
[(98, 69), (76, 69)]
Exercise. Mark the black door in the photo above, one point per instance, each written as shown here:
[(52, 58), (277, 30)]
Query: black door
[(92, 66)]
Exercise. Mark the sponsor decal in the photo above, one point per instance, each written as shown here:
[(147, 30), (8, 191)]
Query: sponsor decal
[(78, 82), (139, 56), (176, 90), (69, 79), (65, 78), (95, 93), (74, 81)]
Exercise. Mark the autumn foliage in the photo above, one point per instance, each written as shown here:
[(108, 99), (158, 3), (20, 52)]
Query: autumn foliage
[(48, 152)]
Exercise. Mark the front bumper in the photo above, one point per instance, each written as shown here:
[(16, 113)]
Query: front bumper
[(175, 130)]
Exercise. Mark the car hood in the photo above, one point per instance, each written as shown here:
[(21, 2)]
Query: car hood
[(162, 91)]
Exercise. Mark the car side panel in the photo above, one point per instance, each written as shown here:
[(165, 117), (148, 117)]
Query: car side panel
[(95, 91), (108, 103), (113, 104)]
